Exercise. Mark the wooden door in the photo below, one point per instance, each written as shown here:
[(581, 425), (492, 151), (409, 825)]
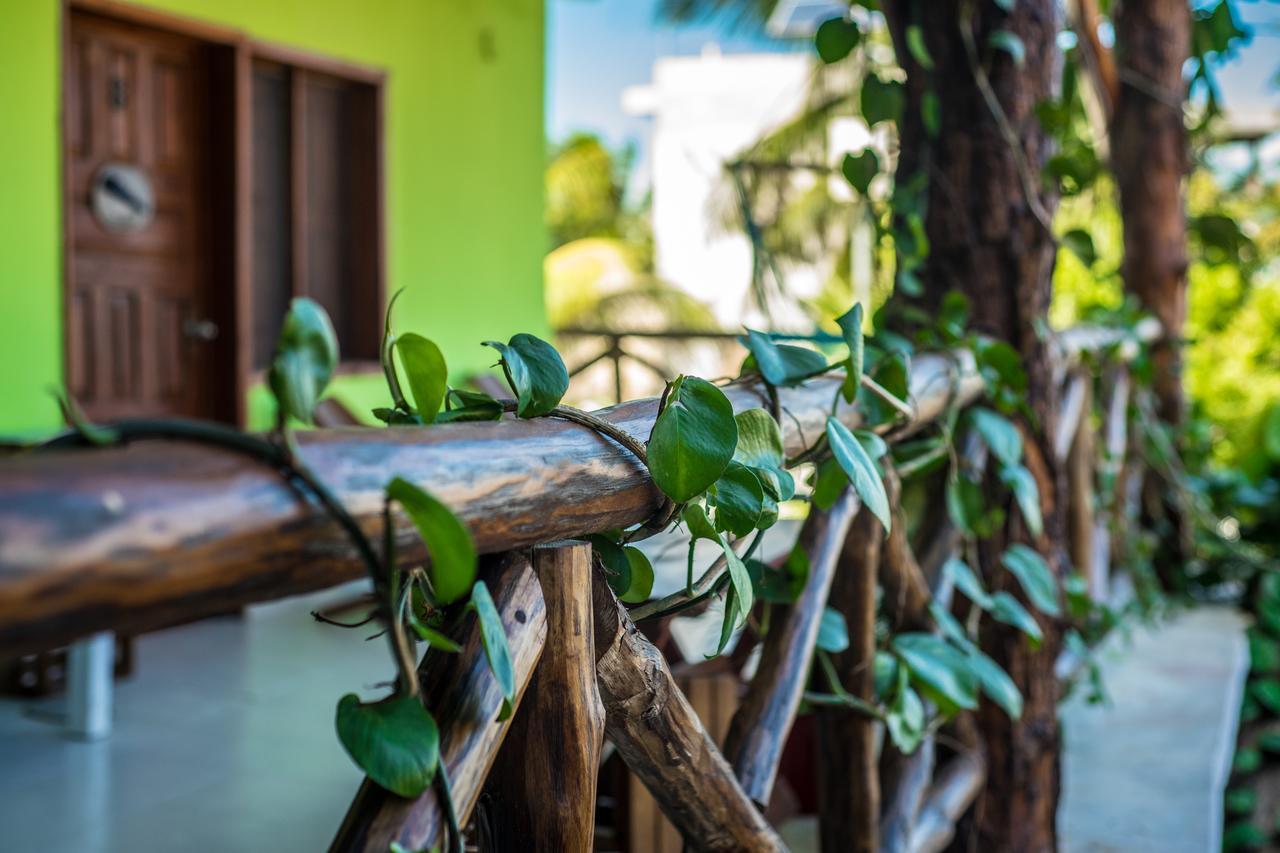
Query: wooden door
[(142, 318)]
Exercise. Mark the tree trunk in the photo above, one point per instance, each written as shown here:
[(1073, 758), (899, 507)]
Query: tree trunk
[(986, 219), (1149, 160)]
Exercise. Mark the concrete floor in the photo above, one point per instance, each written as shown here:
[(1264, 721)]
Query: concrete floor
[(1147, 772), (224, 741)]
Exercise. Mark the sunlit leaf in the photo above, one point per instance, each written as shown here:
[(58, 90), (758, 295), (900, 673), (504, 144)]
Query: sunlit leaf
[(535, 372), (860, 469), (693, 439), (425, 369), (394, 741), (851, 328), (448, 541)]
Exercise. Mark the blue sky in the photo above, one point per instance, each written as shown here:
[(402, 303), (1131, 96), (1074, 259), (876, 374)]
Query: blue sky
[(596, 48)]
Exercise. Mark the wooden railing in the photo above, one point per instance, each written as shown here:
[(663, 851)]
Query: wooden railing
[(134, 538)]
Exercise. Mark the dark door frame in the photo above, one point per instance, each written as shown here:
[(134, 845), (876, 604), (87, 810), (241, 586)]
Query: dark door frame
[(232, 55)]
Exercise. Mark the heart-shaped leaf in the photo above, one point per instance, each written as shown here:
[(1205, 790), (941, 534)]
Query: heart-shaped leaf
[(860, 469), (835, 39), (906, 719), (613, 560), (494, 639), (860, 169), (641, 576), (1027, 494), (448, 541), (306, 354), (833, 632), (425, 369), (693, 439), (394, 741), (851, 328), (782, 364), (535, 372), (940, 668), (759, 440), (880, 100), (739, 500), (1035, 576)]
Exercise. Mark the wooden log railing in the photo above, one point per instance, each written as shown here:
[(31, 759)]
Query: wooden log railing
[(137, 537)]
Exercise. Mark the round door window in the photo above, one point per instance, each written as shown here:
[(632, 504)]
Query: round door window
[(122, 198)]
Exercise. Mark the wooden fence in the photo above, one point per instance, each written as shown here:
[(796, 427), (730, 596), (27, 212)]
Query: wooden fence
[(134, 538)]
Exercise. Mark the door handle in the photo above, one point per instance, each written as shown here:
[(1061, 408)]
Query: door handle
[(200, 330)]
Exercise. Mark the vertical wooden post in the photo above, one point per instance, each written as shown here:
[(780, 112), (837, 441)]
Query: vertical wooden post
[(465, 698), (760, 727), (848, 772), (1080, 504), (541, 793), (1115, 450)]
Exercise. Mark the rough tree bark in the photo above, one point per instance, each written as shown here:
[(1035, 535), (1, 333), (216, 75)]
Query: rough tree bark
[(986, 218), (1149, 159)]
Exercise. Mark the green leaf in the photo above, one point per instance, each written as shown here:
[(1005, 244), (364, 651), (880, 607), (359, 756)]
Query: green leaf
[(425, 369), (860, 469), (695, 519), (739, 581), (306, 354), (880, 100), (614, 561), (641, 580), (1240, 801), (996, 683), (1027, 494), (1267, 692), (1007, 5), (1269, 742), (782, 364), (1243, 835), (916, 47), (833, 632), (494, 639), (940, 667), (693, 439), (851, 328), (999, 434), (1007, 609), (535, 372), (1035, 576), (448, 541), (1080, 243), (967, 582), (1010, 44), (906, 718), (931, 113), (1264, 653), (432, 637), (394, 741), (835, 39), (739, 500), (463, 405), (829, 483), (965, 503), (860, 169), (759, 440), (1246, 761)]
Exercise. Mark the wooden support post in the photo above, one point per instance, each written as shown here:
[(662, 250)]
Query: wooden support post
[(465, 699), (541, 794), (759, 729), (906, 592), (905, 779), (1115, 449), (953, 791), (1080, 504), (663, 742), (848, 774)]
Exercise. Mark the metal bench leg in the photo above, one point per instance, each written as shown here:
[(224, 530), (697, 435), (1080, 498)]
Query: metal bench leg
[(90, 670)]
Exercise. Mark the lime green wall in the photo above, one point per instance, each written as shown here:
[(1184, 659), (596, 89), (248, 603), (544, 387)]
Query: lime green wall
[(464, 130)]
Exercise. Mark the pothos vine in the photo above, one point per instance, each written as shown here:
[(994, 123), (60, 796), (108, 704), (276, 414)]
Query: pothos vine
[(724, 476)]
